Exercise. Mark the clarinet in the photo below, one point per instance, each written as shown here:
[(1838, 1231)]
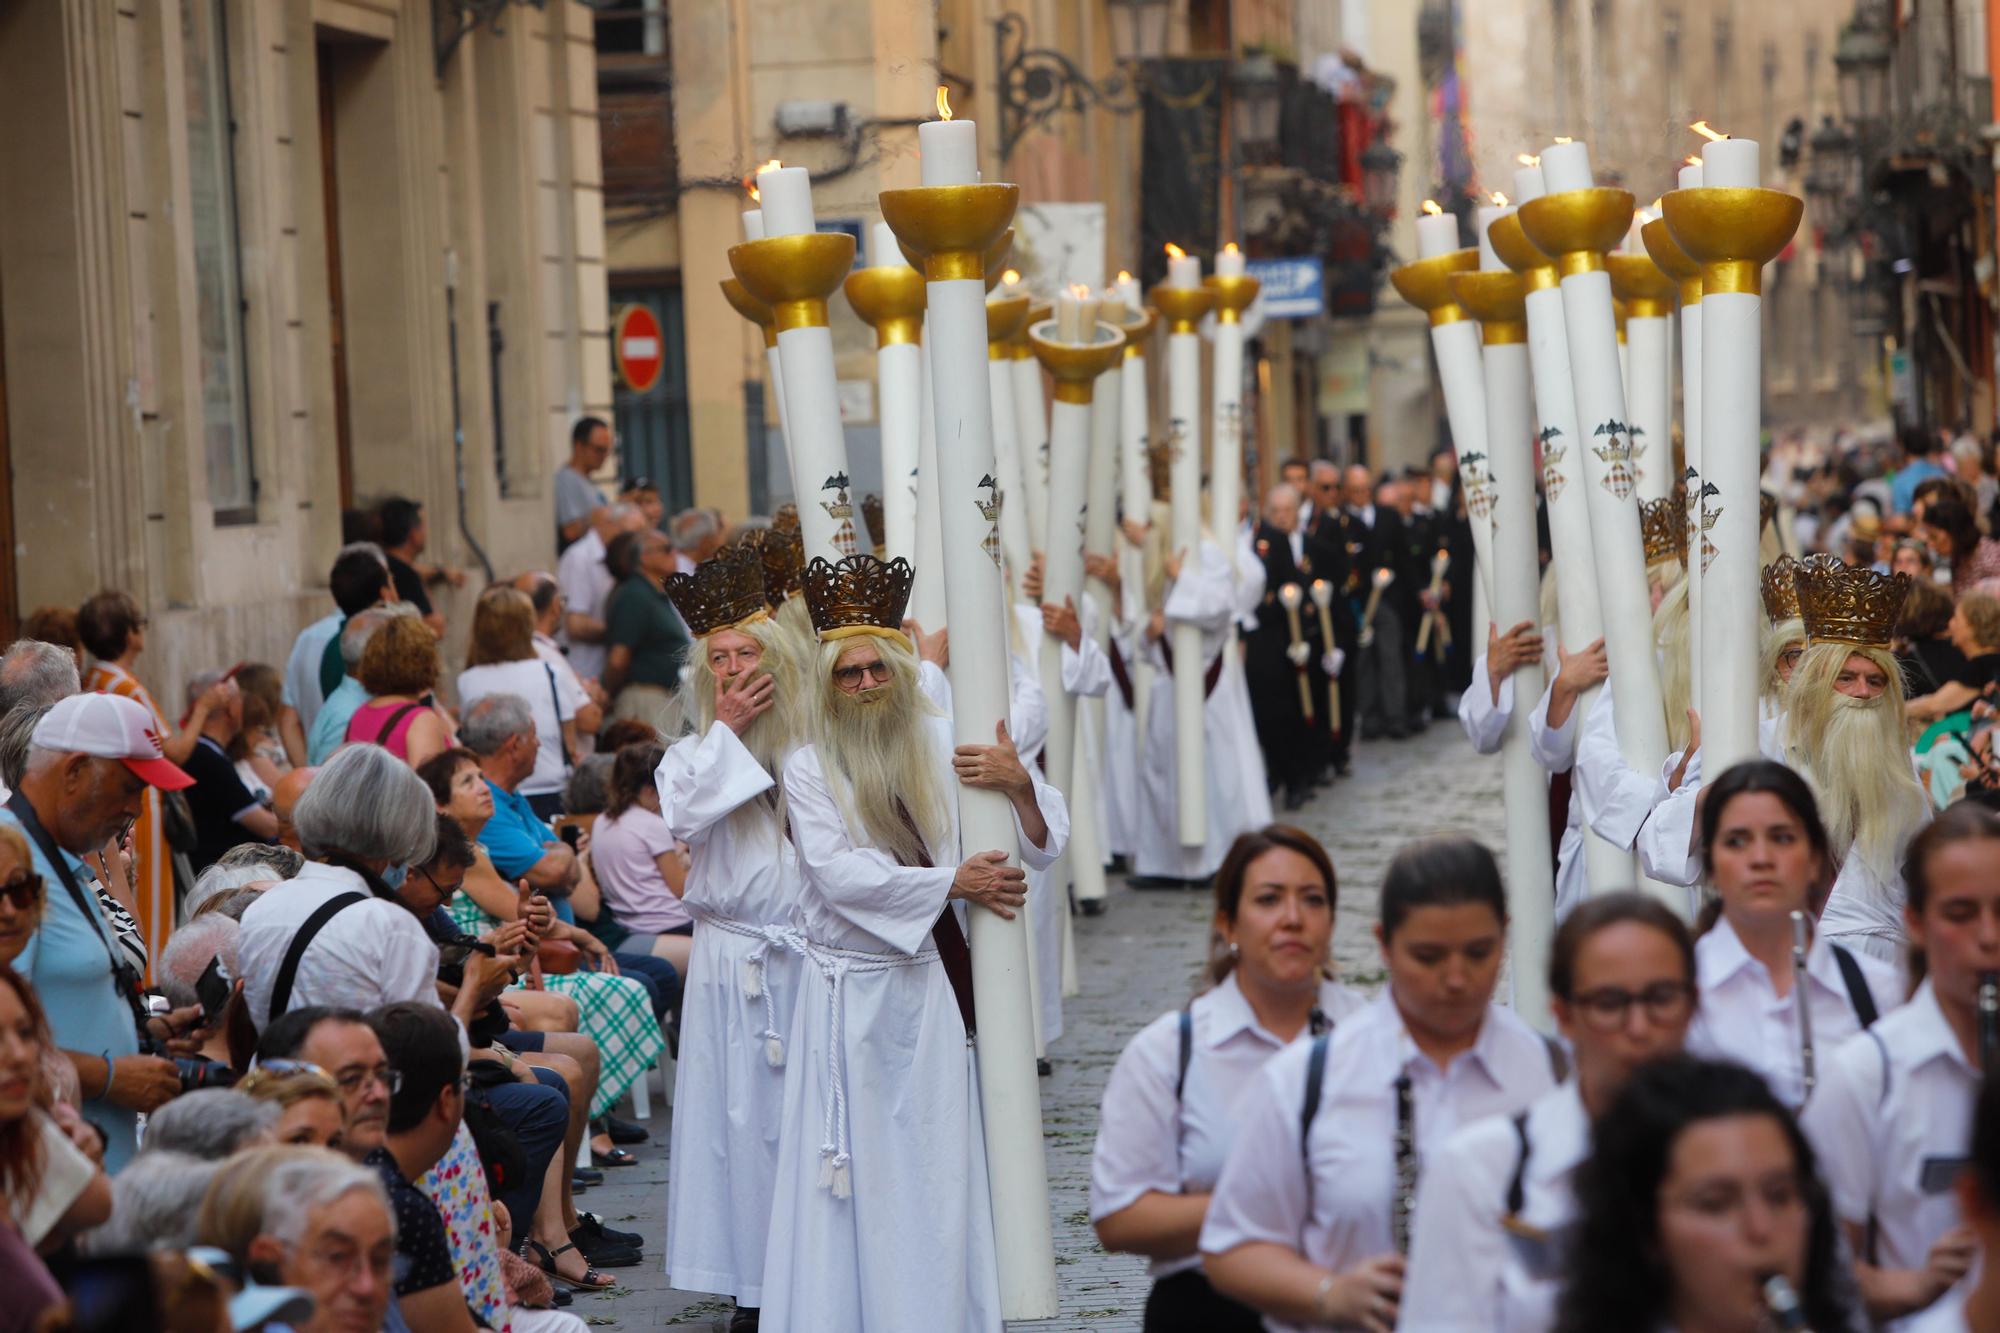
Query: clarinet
[(1783, 1303), (1800, 1002), (1405, 1204), (1989, 1020)]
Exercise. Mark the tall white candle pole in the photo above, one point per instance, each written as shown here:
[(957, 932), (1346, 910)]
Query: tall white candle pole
[(1234, 291), (1135, 488), (1182, 301), (1674, 262), (1031, 427), (754, 310), (1100, 537), (1732, 228), (927, 592), (952, 220), (889, 297), (1494, 296), (1006, 320), (1605, 867), (1577, 223), (793, 270), (1648, 296)]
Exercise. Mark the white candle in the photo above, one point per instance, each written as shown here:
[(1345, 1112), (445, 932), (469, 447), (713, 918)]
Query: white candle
[(1128, 291), (1485, 214), (786, 193), (1183, 270), (1730, 164), (1076, 316), (1437, 234), (753, 224), (949, 152), (1229, 262), (1566, 166), (1528, 183), (883, 252), (1690, 178)]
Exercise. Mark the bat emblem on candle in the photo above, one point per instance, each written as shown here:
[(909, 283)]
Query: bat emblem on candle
[(840, 507), (989, 509), (1638, 449), (1617, 456)]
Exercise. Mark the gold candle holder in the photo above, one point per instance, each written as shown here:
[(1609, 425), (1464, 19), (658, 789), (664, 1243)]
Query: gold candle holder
[(1426, 284), (994, 260), (890, 300), (794, 275), (1138, 326), (951, 227), (1498, 300), (752, 309), (1517, 252), (1005, 320), (1233, 295), (1672, 260), (1183, 307), (1647, 291), (1732, 233), (1076, 366), (1578, 227), (1618, 316)]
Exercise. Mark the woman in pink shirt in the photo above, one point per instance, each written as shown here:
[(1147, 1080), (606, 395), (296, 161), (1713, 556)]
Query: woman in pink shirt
[(399, 669), (640, 868)]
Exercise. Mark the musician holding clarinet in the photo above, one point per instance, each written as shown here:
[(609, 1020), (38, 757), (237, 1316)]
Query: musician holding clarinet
[(1894, 1107), (1309, 1221)]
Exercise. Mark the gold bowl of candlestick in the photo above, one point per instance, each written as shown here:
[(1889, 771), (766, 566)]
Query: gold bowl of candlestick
[(994, 261), (1426, 283), (1673, 260), (1006, 316), (794, 274), (951, 226), (1498, 299), (1732, 233), (743, 303), (890, 300), (1233, 294), (1646, 290), (1183, 307), (1137, 327), (1577, 226), (1517, 252), (1075, 366)]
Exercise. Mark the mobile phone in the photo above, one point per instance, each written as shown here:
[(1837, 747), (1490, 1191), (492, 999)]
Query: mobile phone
[(110, 1293), (571, 834), (212, 989), (1939, 1175)]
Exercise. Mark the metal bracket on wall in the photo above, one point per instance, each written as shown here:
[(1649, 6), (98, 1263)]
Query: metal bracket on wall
[(452, 21), (1037, 82)]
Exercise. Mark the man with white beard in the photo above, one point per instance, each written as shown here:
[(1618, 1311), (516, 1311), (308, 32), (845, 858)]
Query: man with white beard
[(719, 795), (881, 1217)]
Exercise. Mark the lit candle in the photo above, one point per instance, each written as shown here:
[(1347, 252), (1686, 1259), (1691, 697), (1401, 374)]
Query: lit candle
[(1076, 316), (1566, 166), (1730, 164), (1229, 263), (1486, 215), (1437, 231), (1690, 178), (1528, 183), (948, 149), (1183, 269), (787, 196), (1128, 290), (883, 251), (753, 224)]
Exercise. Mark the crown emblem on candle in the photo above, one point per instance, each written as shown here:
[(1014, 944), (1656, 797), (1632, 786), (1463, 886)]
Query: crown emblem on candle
[(1843, 605), (840, 507), (786, 519), (1663, 524), (989, 509), (1553, 477), (1709, 513), (1617, 456), (723, 592), (859, 595), (782, 556), (1781, 590), (1479, 487), (871, 514)]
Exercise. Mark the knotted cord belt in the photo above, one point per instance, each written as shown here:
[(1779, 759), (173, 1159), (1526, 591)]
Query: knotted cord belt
[(753, 981)]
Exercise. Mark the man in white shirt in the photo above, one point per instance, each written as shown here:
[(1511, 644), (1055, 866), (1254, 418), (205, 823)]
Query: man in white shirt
[(550, 608), (586, 586)]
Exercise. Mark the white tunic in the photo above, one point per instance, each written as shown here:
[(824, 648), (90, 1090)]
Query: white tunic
[(1120, 768), (881, 1090), (741, 987), (1149, 1140), (1468, 1273), (1742, 1018), (1896, 1095), (1262, 1194), (1485, 722), (1208, 595), (1555, 750)]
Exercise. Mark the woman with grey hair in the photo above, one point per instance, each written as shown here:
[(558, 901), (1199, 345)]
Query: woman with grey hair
[(156, 1201), (317, 1206), (209, 1123)]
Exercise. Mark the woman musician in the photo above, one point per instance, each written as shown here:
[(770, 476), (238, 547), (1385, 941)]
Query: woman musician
[(1309, 1220)]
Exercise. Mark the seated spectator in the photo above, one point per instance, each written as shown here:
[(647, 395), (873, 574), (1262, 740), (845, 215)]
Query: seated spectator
[(1911, 557), (154, 1203), (640, 867), (1951, 529), (546, 596), (1975, 631), (225, 1036), (399, 669), (49, 1169), (644, 634), (358, 580), (589, 787), (258, 751), (209, 1123), (326, 1227), (285, 799), (329, 726), (500, 730), (698, 534), (502, 660), (248, 865), (339, 1044), (310, 1110), (587, 583), (37, 673), (225, 811), (1923, 643)]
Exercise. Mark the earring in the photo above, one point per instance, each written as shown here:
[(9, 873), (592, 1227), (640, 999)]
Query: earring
[(1233, 950)]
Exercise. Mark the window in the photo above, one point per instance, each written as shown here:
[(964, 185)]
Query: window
[(218, 267)]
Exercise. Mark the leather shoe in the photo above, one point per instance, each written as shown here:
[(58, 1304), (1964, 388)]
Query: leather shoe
[(591, 1225), (621, 1131)]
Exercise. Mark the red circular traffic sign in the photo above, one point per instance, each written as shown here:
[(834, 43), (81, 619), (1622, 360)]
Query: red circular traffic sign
[(637, 348)]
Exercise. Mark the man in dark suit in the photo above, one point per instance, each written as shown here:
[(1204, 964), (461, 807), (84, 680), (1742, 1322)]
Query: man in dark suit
[(1334, 540), (1384, 639), (1294, 749)]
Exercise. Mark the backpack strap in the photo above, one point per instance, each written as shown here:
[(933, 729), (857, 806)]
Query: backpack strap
[(1315, 1083), (281, 989), (1558, 1059), (1858, 993), (1187, 1048), (1517, 1187)]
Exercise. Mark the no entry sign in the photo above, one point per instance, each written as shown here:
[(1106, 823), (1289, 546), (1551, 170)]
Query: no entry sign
[(637, 348)]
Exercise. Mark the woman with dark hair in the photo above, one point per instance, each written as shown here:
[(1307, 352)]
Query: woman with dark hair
[(1766, 856), (1497, 1211), (1699, 1190), (1948, 524), (1170, 1108), (1894, 1107), (1309, 1220), (641, 867), (258, 752)]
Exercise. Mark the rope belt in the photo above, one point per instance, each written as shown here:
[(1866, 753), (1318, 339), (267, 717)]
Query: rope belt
[(836, 965), (753, 980)]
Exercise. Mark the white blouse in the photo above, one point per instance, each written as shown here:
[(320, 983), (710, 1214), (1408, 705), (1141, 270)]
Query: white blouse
[(1344, 1217), (1468, 1273), (1742, 1018), (1890, 1099), (1150, 1140)]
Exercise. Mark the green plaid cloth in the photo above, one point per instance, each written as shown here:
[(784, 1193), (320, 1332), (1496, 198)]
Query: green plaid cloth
[(616, 1015)]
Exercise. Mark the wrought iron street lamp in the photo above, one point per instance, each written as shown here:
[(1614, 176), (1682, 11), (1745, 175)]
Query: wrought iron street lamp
[(1862, 64), (1380, 165), (1256, 105), (1830, 176)]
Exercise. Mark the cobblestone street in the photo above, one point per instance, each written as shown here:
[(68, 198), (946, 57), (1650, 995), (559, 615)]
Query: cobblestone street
[(1138, 960)]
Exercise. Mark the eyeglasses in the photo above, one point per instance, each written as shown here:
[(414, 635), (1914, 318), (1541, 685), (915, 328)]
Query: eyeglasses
[(449, 891), (352, 1080), (1605, 1009), (641, 484), (351, 1261), (850, 676), (1791, 657), (24, 893)]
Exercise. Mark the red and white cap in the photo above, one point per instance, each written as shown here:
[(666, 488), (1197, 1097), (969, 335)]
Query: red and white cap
[(110, 726)]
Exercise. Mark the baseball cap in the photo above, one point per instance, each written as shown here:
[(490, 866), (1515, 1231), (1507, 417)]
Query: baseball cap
[(110, 726)]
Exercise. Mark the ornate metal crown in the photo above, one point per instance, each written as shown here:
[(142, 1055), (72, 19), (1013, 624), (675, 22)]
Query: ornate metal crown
[(722, 592), (871, 514), (786, 519), (782, 557), (860, 595), (1767, 509), (1781, 591), (1663, 523), (1849, 605)]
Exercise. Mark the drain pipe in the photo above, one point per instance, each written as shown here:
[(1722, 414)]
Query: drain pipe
[(458, 412)]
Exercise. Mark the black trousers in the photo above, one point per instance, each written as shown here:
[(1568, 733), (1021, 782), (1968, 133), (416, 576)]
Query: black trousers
[(1185, 1303)]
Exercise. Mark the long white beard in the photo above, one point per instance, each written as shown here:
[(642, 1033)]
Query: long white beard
[(876, 753), (1860, 773)]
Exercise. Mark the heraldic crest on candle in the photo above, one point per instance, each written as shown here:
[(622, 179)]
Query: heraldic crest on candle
[(1553, 454), (1617, 456), (841, 510), (989, 509), (1480, 488)]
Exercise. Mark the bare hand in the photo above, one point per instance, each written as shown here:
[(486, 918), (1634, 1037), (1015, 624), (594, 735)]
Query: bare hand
[(540, 916), (1950, 1259), (142, 1082), (1031, 580), (934, 648), (1135, 531), (1366, 1296), (1172, 564), (510, 936), (1582, 669), (1509, 652), (1062, 622), (176, 1029), (598, 956), (486, 977), (987, 879), (995, 767), (741, 700), (1103, 568), (1679, 775), (78, 1131), (1156, 625)]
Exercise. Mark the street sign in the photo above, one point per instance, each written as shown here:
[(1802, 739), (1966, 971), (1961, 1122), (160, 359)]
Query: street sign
[(1293, 288), (638, 349)]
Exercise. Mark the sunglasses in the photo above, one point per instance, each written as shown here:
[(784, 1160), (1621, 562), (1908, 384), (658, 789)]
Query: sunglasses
[(24, 893)]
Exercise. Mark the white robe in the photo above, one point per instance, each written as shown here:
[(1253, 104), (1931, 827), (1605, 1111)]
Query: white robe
[(881, 1088), (1238, 799), (742, 889)]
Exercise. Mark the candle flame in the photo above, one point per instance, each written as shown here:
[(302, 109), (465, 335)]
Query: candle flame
[(1691, 161), (943, 103), (1175, 252), (1011, 277), (772, 165), (1431, 207), (1564, 138), (1655, 210), (750, 188), (1499, 199), (1701, 127), (1079, 291), (1124, 276), (1230, 248), (1528, 159)]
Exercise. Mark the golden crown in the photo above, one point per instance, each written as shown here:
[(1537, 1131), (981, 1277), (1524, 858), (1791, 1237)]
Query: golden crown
[(1781, 591), (722, 592), (1849, 605), (871, 514), (783, 557), (1767, 509), (1663, 523), (1160, 464), (786, 519), (859, 595)]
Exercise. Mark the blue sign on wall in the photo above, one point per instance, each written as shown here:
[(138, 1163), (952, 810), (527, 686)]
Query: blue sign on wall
[(1293, 288)]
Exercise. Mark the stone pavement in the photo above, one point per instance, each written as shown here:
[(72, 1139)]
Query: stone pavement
[(1135, 962)]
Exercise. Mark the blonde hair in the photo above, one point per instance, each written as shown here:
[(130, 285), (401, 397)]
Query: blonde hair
[(1982, 616), (770, 737), (1778, 639), (878, 757), (289, 1088), (503, 627), (1855, 754), (1673, 637)]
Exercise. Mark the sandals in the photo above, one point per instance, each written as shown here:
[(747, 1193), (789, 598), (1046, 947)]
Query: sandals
[(616, 1157), (542, 1257)]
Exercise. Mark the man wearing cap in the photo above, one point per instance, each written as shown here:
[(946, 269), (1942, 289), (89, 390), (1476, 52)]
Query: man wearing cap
[(90, 762)]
